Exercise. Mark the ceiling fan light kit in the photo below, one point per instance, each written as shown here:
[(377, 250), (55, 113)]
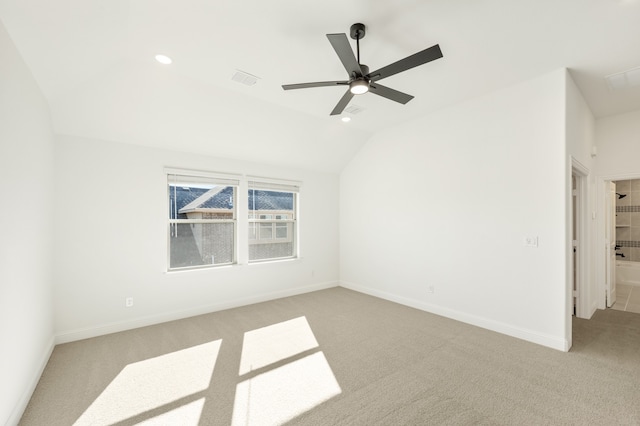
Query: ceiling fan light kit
[(361, 80), (359, 86)]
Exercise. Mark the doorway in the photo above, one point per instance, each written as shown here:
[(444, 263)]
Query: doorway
[(612, 233), (624, 256)]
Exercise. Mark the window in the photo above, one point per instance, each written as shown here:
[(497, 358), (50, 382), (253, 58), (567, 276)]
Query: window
[(202, 221), (272, 220)]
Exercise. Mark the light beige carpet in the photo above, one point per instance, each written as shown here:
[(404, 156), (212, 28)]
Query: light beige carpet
[(337, 357)]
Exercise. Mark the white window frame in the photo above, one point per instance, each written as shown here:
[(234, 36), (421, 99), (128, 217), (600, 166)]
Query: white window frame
[(241, 220), (266, 184), (211, 178)]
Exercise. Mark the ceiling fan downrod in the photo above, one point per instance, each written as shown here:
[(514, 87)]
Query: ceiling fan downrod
[(357, 32)]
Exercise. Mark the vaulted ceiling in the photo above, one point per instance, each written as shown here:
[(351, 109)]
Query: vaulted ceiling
[(94, 62)]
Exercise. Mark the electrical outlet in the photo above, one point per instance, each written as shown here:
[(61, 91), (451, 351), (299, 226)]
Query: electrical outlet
[(128, 302), (531, 241)]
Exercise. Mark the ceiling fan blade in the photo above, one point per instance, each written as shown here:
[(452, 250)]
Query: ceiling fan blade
[(342, 47), (342, 104), (317, 84), (389, 93), (420, 58)]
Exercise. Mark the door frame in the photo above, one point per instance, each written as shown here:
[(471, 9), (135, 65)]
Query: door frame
[(610, 241), (580, 216)]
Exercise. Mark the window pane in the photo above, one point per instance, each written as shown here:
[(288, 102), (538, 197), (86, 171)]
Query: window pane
[(272, 249), (266, 204), (275, 238), (192, 200), (188, 200), (281, 230), (266, 231), (198, 244)]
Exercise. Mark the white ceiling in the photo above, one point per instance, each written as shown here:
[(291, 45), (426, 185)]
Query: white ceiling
[(93, 60)]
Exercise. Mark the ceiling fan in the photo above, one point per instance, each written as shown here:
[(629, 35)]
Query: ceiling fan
[(360, 79)]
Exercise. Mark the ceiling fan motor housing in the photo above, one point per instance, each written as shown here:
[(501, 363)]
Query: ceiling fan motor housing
[(365, 70)]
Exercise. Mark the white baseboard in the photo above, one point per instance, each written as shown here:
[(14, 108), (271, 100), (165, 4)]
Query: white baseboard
[(100, 330), (497, 326), (18, 410)]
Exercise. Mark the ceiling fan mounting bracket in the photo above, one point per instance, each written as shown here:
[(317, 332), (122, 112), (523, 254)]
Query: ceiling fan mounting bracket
[(357, 31)]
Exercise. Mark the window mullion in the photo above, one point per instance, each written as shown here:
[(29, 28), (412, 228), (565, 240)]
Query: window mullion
[(242, 223)]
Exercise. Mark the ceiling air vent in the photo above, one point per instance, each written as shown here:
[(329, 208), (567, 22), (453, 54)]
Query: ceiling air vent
[(354, 109), (623, 80), (244, 78)]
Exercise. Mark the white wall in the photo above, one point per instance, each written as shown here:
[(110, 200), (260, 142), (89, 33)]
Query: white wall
[(447, 201), (618, 143), (26, 164), (111, 240), (580, 126), (618, 146)]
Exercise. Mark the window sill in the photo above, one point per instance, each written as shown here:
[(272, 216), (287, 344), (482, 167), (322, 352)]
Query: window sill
[(200, 268), (235, 265), (271, 261)]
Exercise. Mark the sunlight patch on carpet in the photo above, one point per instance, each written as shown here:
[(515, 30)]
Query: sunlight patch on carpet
[(185, 415), (268, 345), (281, 394), (153, 383)]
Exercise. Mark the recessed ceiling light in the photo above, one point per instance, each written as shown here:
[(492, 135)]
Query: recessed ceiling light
[(163, 59), (346, 119)]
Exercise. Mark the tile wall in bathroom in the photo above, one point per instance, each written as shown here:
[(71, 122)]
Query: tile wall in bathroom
[(628, 219)]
